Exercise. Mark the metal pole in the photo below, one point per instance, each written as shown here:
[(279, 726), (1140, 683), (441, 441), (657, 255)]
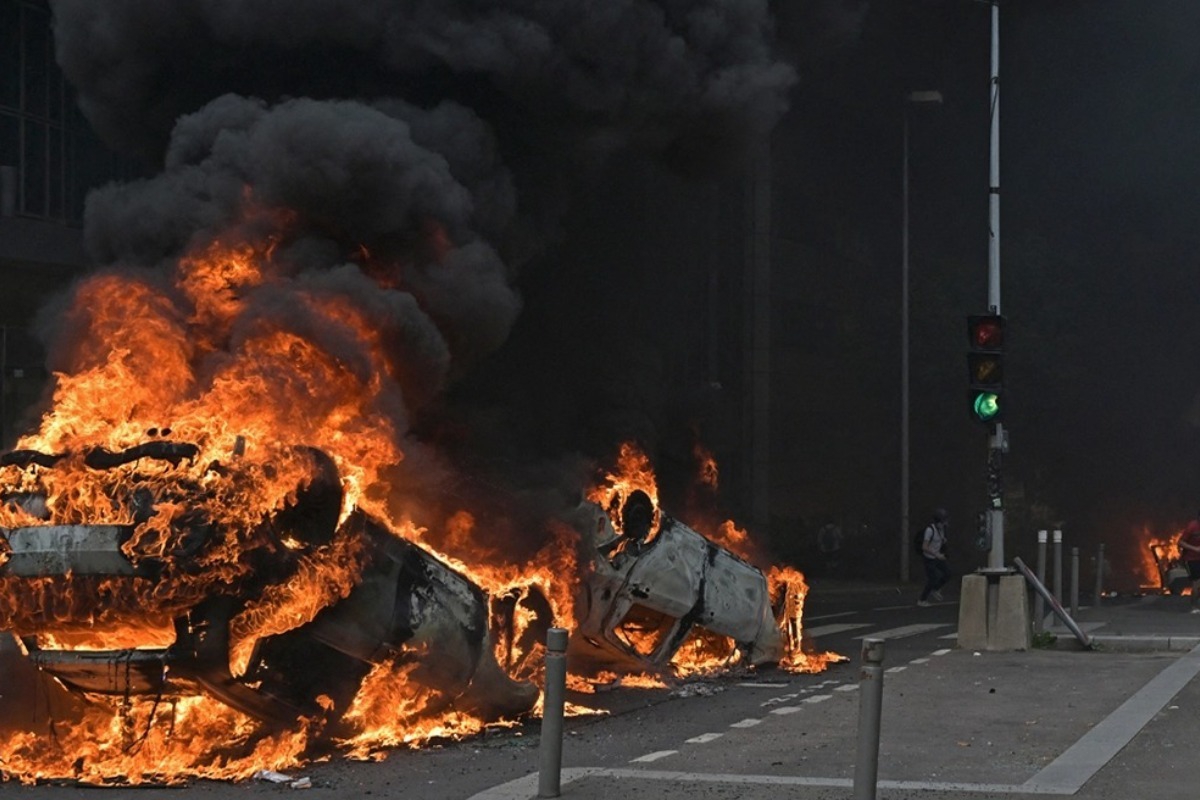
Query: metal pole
[(905, 569), (996, 560), (1039, 612), (1099, 575), (870, 709), (1074, 581), (1083, 638), (1058, 565), (553, 708)]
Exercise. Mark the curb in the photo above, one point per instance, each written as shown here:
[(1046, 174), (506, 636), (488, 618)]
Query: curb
[(1147, 643)]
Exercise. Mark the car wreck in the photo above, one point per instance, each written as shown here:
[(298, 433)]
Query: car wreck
[(656, 585), (160, 595)]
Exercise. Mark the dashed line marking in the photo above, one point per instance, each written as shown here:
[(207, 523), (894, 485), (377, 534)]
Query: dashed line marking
[(704, 738), (920, 661), (781, 699), (817, 698), (943, 651), (746, 723), (849, 687), (896, 669), (655, 756), (786, 710), (829, 630), (904, 631), (832, 616), (749, 685)]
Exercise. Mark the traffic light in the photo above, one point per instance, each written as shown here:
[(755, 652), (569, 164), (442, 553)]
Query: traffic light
[(985, 367)]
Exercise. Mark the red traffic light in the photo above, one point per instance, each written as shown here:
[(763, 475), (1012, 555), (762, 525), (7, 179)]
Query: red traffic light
[(985, 331)]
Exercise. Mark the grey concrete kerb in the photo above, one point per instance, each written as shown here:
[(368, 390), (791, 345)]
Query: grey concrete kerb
[(1144, 644)]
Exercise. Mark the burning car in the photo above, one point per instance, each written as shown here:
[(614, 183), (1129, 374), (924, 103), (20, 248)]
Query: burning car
[(658, 585), (157, 591), (1172, 574)]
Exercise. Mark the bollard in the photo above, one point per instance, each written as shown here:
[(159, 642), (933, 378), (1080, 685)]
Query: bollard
[(1058, 593), (1074, 581), (1083, 638), (1100, 575), (870, 708), (1039, 612), (553, 707)]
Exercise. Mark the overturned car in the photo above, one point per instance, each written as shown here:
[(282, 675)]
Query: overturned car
[(149, 580), (659, 592)]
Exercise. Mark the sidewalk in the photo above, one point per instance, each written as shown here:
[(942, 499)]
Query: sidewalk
[(1098, 724)]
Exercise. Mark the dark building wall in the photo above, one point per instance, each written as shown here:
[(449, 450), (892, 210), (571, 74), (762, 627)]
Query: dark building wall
[(49, 160)]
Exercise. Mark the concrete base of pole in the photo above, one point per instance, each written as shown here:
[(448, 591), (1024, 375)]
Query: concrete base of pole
[(993, 613)]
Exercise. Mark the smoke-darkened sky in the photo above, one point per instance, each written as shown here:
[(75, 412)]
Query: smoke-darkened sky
[(1098, 258), (585, 159)]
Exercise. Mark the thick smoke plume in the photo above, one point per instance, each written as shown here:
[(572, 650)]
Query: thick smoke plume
[(404, 157)]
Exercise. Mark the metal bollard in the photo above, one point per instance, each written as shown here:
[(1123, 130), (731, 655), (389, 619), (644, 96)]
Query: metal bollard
[(1039, 611), (1058, 587), (1074, 581), (553, 706), (1100, 575), (870, 708)]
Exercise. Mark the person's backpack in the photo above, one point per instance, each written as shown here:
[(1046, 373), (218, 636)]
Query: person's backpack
[(919, 540)]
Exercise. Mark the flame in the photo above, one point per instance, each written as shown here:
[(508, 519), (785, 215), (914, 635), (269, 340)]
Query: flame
[(1157, 551), (242, 397), (707, 472), (633, 473), (705, 653), (184, 409)]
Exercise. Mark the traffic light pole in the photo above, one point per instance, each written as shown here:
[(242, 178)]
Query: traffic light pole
[(996, 443), (993, 607)]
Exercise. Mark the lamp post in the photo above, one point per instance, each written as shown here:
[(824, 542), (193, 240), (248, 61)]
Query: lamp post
[(926, 97)]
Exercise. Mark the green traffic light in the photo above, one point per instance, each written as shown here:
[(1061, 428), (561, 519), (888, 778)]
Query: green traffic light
[(986, 406)]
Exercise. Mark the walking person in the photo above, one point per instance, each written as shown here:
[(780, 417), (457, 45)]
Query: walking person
[(1189, 551), (933, 553)]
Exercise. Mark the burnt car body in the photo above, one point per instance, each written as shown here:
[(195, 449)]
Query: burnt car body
[(658, 584), (405, 607), (1172, 573)]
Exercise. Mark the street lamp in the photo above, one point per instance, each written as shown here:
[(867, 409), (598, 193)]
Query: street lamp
[(925, 97)]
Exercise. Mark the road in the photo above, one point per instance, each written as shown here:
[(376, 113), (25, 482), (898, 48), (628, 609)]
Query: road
[(639, 727)]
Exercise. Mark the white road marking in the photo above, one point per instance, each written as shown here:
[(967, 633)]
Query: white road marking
[(920, 661), (704, 738), (944, 651), (817, 698), (786, 710), (896, 669), (746, 723), (849, 687), (526, 787), (1070, 771), (655, 756), (903, 631), (832, 616), (839, 627), (764, 685)]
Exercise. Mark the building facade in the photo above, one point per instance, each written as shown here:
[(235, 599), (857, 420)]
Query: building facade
[(49, 160)]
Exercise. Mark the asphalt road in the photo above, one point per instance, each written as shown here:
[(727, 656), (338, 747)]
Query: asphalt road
[(637, 726)]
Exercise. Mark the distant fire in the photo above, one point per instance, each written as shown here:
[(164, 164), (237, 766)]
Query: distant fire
[(1159, 565)]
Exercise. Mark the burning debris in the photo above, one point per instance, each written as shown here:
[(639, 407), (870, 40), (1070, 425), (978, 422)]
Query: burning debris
[(1160, 563), (163, 599), (660, 596), (654, 589), (151, 604), (331, 241)]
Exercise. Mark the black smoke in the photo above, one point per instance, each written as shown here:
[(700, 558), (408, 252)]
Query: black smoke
[(448, 141)]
